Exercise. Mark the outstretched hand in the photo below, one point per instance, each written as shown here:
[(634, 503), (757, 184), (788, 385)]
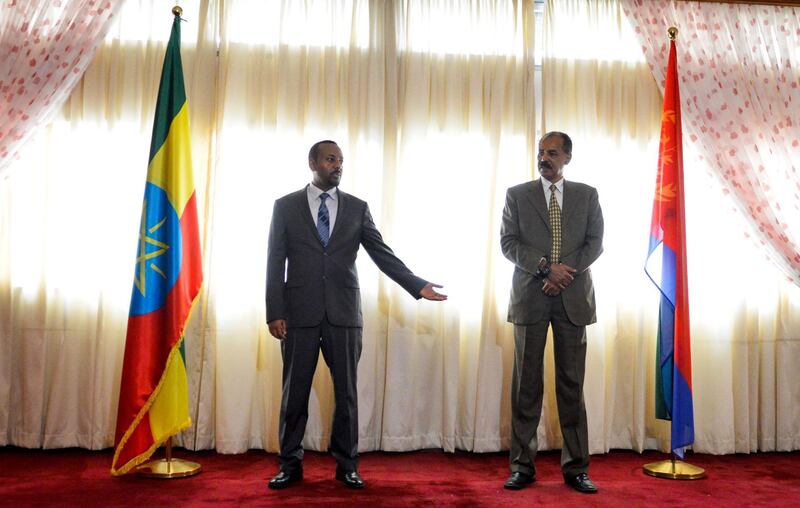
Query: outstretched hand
[(429, 293)]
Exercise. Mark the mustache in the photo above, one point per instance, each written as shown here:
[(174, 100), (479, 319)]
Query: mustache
[(545, 165)]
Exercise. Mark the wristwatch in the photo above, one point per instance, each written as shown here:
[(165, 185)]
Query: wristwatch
[(543, 268)]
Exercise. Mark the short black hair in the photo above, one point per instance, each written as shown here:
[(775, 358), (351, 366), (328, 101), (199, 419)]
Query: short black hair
[(566, 142), (312, 154)]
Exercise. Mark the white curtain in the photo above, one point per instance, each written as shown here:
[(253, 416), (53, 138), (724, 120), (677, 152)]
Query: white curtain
[(597, 88), (413, 100), (433, 105), (432, 124)]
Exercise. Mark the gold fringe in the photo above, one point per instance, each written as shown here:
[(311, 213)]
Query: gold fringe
[(141, 458)]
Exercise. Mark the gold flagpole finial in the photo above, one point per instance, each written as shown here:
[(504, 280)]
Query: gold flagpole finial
[(672, 32), (177, 10)]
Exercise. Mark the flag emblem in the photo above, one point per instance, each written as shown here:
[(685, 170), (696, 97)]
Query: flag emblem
[(158, 258)]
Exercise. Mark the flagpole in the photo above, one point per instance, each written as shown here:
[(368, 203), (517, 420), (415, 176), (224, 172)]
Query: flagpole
[(169, 466), (673, 469)]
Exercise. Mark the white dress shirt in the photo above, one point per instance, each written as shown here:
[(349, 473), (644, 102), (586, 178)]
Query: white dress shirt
[(559, 192), (332, 203)]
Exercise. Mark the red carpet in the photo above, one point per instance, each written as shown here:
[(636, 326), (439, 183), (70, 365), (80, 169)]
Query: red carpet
[(81, 478)]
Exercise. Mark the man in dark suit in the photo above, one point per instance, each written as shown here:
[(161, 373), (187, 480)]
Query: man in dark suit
[(313, 303), (552, 231)]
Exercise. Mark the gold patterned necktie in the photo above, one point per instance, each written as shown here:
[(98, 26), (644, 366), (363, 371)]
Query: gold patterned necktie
[(555, 226)]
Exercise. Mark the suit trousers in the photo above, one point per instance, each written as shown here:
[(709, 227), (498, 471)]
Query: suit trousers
[(341, 349), (527, 388)]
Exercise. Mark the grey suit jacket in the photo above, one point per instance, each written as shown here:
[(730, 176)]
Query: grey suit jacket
[(306, 281), (525, 238)]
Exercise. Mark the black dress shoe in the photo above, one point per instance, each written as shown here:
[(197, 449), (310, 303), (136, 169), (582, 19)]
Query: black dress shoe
[(351, 479), (285, 478), (581, 483), (518, 480)]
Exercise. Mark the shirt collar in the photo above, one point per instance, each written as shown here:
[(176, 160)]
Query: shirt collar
[(547, 183), (314, 192)]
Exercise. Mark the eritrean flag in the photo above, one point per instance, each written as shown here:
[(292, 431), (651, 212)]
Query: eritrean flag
[(668, 235), (153, 394)]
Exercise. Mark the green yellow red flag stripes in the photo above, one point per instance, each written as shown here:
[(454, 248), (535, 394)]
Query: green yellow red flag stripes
[(153, 395)]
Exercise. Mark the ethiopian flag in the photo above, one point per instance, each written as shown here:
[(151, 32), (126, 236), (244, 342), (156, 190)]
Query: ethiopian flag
[(668, 235), (153, 394)]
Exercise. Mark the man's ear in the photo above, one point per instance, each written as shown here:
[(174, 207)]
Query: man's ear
[(312, 164), (569, 158)]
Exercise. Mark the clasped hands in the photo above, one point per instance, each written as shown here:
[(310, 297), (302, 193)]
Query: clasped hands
[(558, 279)]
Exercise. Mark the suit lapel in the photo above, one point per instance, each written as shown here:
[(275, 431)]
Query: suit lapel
[(304, 211), (566, 202), (341, 207), (536, 199)]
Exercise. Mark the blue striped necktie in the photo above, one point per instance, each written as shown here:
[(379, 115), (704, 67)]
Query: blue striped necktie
[(323, 220)]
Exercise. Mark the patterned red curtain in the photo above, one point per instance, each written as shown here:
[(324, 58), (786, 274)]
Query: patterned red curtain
[(740, 87), (45, 46)]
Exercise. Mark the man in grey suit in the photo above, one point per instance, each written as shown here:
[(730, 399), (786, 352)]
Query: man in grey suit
[(313, 303), (552, 231)]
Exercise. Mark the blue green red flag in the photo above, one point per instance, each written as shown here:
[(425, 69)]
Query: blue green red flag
[(153, 395), (668, 235)]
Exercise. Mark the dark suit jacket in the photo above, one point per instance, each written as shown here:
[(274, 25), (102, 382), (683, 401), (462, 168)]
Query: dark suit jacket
[(306, 281), (525, 238)]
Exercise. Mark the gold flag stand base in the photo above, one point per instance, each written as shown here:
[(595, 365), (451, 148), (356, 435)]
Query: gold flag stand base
[(674, 470), (169, 467), (173, 468)]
